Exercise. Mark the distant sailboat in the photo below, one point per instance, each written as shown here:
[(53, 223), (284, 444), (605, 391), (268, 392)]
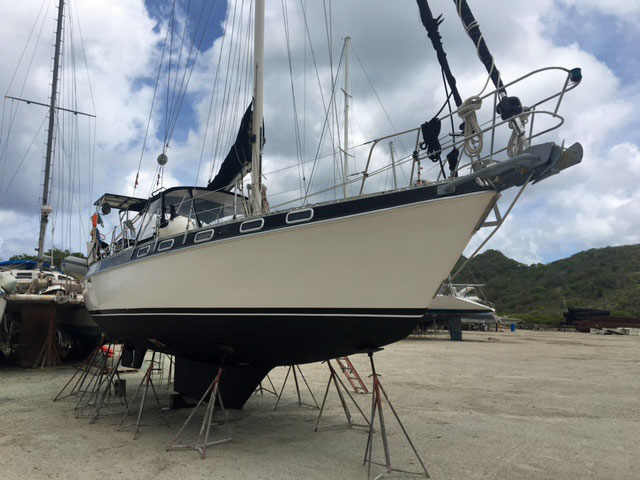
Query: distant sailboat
[(40, 291), (211, 276)]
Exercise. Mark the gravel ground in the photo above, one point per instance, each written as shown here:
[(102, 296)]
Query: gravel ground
[(523, 405)]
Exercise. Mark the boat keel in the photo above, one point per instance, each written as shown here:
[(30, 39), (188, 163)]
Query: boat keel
[(192, 378)]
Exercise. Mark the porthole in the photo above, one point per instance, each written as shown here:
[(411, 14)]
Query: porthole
[(251, 225), (143, 251), (165, 245), (299, 216), (203, 236)]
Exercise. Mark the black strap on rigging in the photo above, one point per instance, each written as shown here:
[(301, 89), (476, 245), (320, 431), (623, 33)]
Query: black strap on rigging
[(431, 24), (430, 134), (470, 24), (453, 157)]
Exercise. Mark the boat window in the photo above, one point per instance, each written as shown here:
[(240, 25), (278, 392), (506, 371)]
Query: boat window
[(203, 236), (150, 220), (251, 225), (211, 206), (177, 202), (299, 216), (143, 251), (165, 245)]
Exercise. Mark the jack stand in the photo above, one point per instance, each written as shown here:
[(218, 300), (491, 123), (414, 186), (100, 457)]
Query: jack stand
[(295, 378), (101, 368), (203, 438), (172, 364), (333, 377), (102, 389), (146, 380), (83, 371), (272, 389), (376, 405)]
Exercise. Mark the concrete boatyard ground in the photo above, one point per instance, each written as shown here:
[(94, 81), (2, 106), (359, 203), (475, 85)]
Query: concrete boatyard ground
[(497, 406)]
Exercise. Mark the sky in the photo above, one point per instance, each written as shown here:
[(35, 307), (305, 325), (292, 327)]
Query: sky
[(116, 48)]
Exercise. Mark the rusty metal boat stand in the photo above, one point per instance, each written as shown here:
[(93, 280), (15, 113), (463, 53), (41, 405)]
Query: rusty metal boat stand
[(340, 387), (105, 384), (376, 407), (147, 381), (292, 368), (260, 389), (81, 372), (213, 395)]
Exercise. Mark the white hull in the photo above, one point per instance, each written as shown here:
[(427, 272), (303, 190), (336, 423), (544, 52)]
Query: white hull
[(394, 258), (444, 303)]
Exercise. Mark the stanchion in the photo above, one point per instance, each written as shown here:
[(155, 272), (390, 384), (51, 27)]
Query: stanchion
[(337, 382), (376, 406), (292, 368)]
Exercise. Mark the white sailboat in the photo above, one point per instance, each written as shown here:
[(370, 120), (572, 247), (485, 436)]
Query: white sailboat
[(210, 276)]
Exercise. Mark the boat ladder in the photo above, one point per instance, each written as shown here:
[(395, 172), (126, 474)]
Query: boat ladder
[(352, 375)]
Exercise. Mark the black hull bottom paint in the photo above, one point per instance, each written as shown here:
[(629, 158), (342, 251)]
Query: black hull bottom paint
[(250, 337), (237, 383), (252, 343)]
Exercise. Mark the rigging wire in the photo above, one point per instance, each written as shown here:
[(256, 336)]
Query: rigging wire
[(213, 96), (229, 105), (324, 130), (153, 99), (170, 104), (170, 31), (37, 135), (91, 138), (296, 122), (14, 111), (191, 60)]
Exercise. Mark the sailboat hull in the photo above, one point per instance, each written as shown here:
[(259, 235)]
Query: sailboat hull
[(297, 294)]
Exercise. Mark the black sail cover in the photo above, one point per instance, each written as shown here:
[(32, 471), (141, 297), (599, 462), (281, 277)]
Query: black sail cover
[(238, 157), (471, 25), (431, 24)]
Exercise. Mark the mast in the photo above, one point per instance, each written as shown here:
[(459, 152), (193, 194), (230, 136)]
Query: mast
[(345, 149), (46, 209), (258, 100)]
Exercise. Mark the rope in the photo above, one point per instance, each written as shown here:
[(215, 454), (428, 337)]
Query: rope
[(473, 141), (517, 143)]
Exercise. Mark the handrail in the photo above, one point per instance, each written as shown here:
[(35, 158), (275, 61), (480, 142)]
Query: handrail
[(492, 125)]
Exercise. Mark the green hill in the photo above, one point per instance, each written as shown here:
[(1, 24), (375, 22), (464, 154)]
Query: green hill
[(604, 278)]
